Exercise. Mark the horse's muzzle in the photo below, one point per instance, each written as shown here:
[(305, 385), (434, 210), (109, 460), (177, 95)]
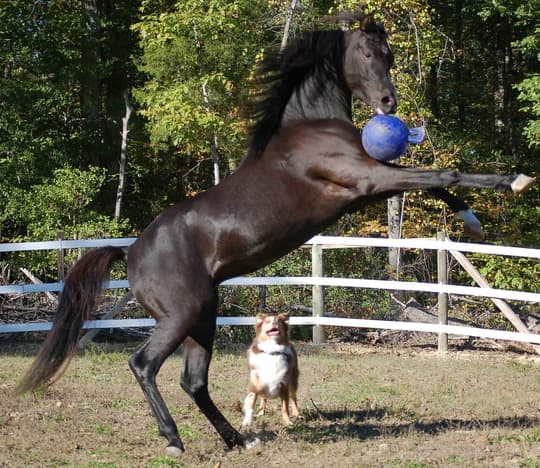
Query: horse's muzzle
[(387, 105)]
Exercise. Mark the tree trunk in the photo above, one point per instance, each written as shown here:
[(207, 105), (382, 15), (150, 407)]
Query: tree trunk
[(123, 157), (458, 65), (207, 107), (213, 140), (288, 21), (90, 93), (433, 91), (394, 231), (502, 86)]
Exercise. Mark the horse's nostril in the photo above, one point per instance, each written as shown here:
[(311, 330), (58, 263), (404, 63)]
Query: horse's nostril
[(389, 103)]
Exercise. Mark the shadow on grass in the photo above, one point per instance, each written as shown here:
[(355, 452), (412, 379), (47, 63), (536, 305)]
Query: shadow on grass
[(334, 425)]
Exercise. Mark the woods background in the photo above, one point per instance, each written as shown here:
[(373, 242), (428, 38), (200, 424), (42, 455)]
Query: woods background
[(178, 77)]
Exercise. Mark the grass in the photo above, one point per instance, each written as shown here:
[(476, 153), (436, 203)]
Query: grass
[(361, 406), (164, 461)]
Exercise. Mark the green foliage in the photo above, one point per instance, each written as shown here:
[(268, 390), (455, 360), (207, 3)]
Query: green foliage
[(509, 273), (528, 47), (189, 65), (46, 67), (198, 57), (36, 130), (60, 204), (529, 92)]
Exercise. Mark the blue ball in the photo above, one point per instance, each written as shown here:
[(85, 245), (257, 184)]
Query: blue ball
[(385, 137)]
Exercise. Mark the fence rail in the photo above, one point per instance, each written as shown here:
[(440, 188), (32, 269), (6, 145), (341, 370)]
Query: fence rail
[(325, 242)]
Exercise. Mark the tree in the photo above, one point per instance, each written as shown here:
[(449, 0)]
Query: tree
[(64, 67), (529, 88), (488, 131), (123, 157), (37, 129), (198, 57)]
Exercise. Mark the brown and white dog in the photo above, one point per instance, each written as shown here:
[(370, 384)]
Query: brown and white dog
[(273, 367)]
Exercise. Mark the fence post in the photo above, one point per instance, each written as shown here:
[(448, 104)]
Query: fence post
[(263, 293), (442, 305), (318, 293), (60, 258)]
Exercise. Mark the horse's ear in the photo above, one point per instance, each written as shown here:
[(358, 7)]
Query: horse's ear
[(346, 16), (368, 24)]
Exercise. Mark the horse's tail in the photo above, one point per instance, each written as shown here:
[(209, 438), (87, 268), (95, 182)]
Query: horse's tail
[(77, 302)]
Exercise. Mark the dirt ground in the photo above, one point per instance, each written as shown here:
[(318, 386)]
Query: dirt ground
[(362, 406)]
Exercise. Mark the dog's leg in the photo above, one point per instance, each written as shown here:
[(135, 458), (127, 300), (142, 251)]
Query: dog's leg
[(294, 405), (262, 407), (293, 384), (284, 395), (249, 404)]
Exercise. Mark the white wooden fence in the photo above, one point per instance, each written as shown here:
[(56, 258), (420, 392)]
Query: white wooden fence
[(317, 320)]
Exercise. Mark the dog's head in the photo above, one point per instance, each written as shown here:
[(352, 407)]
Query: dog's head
[(272, 327)]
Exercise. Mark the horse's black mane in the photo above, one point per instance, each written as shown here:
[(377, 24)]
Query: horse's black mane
[(318, 55)]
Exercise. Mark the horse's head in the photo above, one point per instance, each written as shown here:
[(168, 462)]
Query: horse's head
[(314, 76), (367, 64)]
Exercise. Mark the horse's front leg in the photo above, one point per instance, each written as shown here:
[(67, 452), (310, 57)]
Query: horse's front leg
[(385, 178)]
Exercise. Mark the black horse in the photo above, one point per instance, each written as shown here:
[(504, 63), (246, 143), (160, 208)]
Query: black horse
[(304, 169)]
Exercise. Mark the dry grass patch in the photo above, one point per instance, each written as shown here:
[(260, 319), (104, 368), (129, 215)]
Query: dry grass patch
[(361, 406)]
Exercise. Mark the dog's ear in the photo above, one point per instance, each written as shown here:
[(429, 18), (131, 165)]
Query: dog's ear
[(284, 317), (260, 319)]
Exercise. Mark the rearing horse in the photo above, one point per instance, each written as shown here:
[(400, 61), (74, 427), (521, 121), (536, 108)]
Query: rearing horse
[(304, 169)]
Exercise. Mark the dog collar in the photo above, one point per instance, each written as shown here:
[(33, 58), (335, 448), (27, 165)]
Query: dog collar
[(274, 350), (276, 353)]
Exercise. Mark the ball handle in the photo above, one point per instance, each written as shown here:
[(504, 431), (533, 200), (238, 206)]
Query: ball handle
[(417, 135)]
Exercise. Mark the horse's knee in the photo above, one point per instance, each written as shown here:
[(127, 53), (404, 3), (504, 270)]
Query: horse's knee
[(143, 370), (188, 387), (450, 177), (139, 371), (194, 382), (136, 366), (194, 377)]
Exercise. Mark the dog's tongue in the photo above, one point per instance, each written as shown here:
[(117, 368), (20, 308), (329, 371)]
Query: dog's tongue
[(273, 332)]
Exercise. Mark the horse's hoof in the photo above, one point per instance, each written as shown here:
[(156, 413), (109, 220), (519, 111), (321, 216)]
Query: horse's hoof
[(252, 443), (522, 183), (173, 451)]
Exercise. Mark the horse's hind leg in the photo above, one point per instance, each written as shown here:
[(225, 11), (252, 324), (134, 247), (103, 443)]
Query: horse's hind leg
[(145, 364), (197, 350)]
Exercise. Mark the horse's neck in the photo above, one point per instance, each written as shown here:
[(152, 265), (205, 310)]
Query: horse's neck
[(310, 103)]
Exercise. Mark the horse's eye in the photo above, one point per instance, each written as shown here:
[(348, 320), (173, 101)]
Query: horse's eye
[(367, 55)]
